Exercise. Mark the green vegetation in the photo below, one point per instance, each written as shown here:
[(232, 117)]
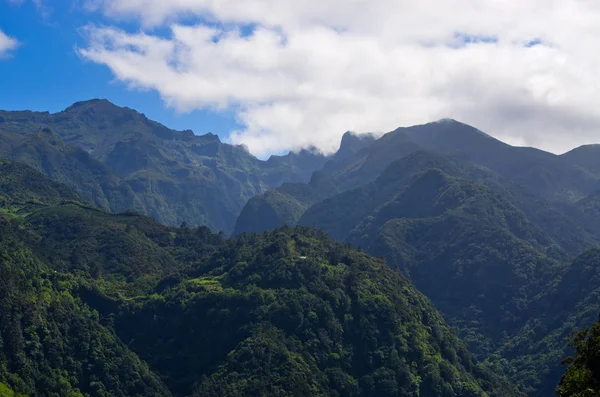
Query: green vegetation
[(119, 160), (582, 378), (95, 304), (52, 343), (485, 230), (21, 185), (292, 312)]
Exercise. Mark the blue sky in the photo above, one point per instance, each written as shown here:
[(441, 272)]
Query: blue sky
[(291, 74), (45, 72)]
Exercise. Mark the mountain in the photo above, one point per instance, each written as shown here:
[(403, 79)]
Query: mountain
[(118, 159), (559, 227), (286, 204), (21, 185), (475, 255), (353, 143), (98, 299), (98, 304), (45, 152), (500, 279), (487, 231), (548, 175), (569, 304), (587, 157), (535, 176)]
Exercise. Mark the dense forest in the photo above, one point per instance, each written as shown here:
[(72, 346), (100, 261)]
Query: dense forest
[(433, 261), (94, 304), (583, 376)]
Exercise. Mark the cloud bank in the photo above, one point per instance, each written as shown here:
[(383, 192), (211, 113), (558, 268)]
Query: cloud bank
[(6, 44), (302, 73)]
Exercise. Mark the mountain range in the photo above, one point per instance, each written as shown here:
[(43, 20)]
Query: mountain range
[(486, 230), (463, 266), (120, 160), (97, 304)]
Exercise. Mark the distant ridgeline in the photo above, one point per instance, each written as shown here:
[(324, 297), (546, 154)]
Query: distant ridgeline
[(119, 160), (97, 299)]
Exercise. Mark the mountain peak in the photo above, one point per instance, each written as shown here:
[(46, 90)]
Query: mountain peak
[(447, 120), (353, 142), (210, 137), (91, 103), (350, 136)]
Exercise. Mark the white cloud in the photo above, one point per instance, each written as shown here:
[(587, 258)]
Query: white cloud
[(6, 44), (314, 69)]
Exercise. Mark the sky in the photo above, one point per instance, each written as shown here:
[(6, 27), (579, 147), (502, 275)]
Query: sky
[(283, 74)]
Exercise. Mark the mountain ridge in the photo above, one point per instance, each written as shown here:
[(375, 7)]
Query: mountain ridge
[(523, 214), (174, 176)]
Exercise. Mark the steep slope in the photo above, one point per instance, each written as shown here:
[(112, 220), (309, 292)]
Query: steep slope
[(174, 176), (548, 175), (587, 211), (21, 185), (100, 304), (570, 304), (532, 179), (583, 375), (587, 157), (53, 344), (293, 313), (286, 204), (95, 182), (448, 233), (279, 207), (345, 210)]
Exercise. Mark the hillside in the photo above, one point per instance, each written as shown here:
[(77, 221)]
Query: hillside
[(582, 377), (21, 185), (477, 226), (330, 317), (545, 186), (96, 304), (120, 160), (72, 166), (486, 230), (53, 344), (568, 305), (585, 157), (468, 249)]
